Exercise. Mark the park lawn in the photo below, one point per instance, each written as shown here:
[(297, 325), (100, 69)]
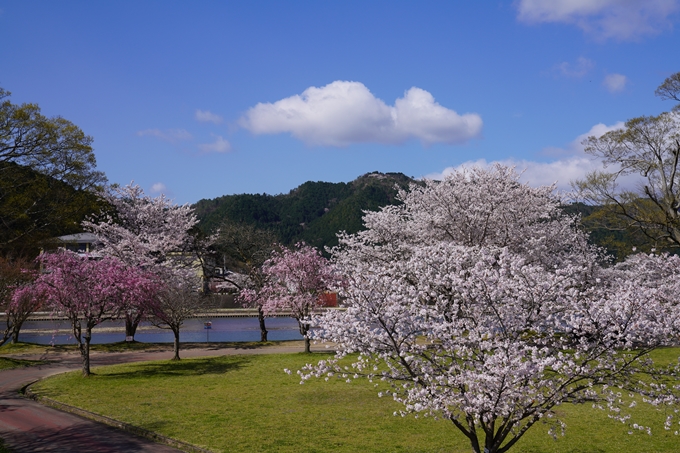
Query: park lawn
[(123, 346), (24, 348), (7, 363), (248, 404)]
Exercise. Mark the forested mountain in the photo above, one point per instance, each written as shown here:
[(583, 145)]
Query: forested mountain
[(314, 212), (35, 207)]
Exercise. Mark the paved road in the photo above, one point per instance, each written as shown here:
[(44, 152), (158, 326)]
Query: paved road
[(27, 426)]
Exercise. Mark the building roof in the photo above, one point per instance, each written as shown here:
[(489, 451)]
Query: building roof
[(79, 237)]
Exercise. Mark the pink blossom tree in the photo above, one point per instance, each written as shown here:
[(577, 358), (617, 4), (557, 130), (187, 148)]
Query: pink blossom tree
[(478, 301), (15, 278), (295, 281), (89, 292), (145, 232)]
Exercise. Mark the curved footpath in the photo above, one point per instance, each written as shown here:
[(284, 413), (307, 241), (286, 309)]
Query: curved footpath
[(27, 426)]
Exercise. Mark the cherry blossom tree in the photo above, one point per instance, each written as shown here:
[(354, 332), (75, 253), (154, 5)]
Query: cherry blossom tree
[(177, 300), (89, 292), (15, 301), (296, 281), (145, 232), (478, 301)]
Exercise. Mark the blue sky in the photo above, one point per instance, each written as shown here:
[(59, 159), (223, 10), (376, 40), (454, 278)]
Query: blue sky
[(203, 99)]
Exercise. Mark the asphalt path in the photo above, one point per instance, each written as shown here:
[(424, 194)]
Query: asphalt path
[(28, 426)]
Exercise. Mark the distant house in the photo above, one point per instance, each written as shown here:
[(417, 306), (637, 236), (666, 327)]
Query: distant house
[(79, 242), (328, 299), (225, 281)]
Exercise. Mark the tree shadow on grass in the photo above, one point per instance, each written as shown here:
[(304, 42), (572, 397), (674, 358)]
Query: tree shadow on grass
[(182, 368)]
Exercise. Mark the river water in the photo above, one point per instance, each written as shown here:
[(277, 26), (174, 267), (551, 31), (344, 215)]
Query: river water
[(192, 331)]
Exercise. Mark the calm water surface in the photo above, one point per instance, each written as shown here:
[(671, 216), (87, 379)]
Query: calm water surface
[(193, 330)]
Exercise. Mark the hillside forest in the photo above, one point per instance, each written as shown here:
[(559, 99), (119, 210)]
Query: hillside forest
[(315, 212)]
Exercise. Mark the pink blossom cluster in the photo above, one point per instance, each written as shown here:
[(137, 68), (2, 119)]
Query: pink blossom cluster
[(88, 292), (295, 281)]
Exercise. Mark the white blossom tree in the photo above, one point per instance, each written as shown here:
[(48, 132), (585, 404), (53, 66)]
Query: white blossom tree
[(177, 300), (479, 301), (146, 232)]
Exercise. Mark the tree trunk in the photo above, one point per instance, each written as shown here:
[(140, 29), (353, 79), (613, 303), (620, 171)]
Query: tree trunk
[(176, 332), (15, 334), (130, 329), (15, 331), (85, 351), (131, 323), (304, 330), (7, 333), (263, 328)]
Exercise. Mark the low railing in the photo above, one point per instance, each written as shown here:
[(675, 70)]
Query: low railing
[(213, 313)]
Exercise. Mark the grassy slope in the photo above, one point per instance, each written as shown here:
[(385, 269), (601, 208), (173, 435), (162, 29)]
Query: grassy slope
[(247, 403)]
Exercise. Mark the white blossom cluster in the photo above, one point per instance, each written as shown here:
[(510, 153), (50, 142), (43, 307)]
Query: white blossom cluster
[(478, 300), (144, 231)]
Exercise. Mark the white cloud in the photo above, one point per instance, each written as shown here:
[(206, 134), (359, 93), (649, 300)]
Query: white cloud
[(158, 187), (206, 116), (604, 19), (220, 145), (575, 148), (615, 83), (574, 164), (575, 70), (168, 135), (561, 172), (342, 113)]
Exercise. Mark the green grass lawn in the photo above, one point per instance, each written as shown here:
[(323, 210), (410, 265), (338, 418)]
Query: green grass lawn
[(24, 348), (7, 363), (248, 404), (123, 346)]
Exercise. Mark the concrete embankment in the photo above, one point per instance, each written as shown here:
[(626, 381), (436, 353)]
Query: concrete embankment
[(216, 313)]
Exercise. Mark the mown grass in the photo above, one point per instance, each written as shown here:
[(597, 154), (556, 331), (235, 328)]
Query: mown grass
[(123, 346), (7, 363), (26, 348), (248, 404)]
